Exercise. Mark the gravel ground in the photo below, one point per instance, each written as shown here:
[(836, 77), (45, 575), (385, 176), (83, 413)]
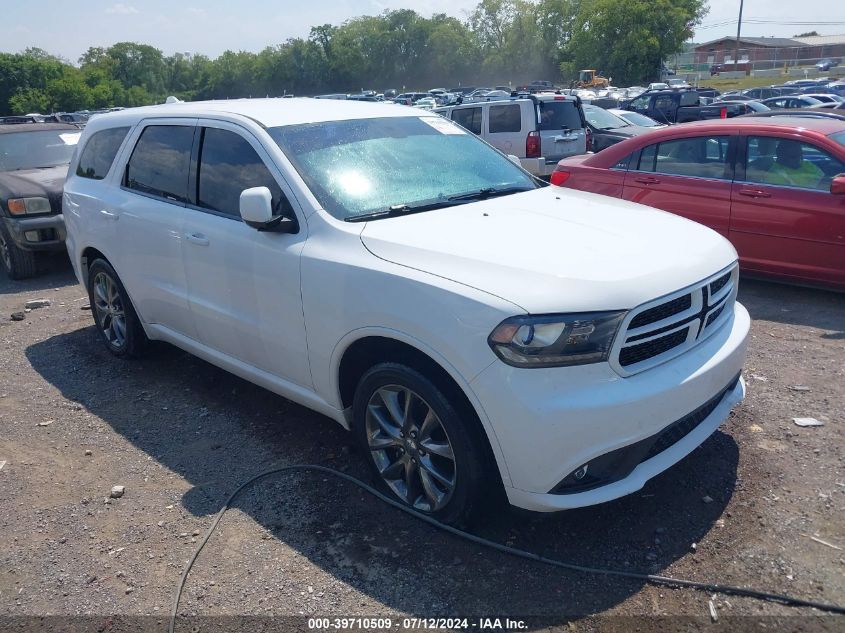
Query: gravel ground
[(180, 435)]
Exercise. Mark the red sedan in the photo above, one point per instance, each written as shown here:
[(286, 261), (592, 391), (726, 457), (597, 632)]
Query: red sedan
[(774, 187)]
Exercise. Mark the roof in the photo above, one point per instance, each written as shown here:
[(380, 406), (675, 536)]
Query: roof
[(36, 127), (769, 42), (266, 112), (821, 40)]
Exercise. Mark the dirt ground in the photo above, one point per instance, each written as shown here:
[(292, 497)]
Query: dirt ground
[(181, 435)]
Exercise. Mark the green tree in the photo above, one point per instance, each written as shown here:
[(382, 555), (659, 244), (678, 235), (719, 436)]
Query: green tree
[(28, 100), (630, 39)]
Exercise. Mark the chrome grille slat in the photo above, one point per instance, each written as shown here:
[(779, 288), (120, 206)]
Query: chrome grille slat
[(666, 327)]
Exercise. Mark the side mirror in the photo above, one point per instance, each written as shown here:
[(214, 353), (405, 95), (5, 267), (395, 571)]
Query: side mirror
[(514, 159), (837, 185), (256, 207)]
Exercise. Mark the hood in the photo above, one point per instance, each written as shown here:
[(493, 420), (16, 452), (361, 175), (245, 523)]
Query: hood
[(553, 250), (34, 183)]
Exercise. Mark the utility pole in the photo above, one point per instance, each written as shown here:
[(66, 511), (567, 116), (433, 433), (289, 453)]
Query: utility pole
[(738, 29)]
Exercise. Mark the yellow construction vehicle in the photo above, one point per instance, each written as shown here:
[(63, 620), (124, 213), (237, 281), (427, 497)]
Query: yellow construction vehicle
[(589, 79)]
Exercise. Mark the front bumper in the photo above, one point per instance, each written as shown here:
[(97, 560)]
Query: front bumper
[(37, 233), (549, 422)]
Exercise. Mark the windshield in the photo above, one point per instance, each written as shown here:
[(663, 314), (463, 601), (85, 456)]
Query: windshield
[(30, 150), (602, 119), (839, 137), (363, 166), (639, 119)]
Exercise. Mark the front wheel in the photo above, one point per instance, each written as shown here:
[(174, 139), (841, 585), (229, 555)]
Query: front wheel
[(19, 264), (419, 445)]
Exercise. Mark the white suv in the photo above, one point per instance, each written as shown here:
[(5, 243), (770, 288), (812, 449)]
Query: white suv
[(478, 332)]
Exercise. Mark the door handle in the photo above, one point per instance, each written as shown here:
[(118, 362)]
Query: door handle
[(754, 193), (109, 214), (648, 180), (197, 238)]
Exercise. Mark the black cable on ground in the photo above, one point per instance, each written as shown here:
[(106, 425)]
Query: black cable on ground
[(651, 578)]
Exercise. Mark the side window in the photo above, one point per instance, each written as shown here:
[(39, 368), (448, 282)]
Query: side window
[(469, 118), (99, 153), (789, 163), (647, 158), (505, 118), (640, 103), (664, 103), (160, 161), (227, 165), (623, 163), (701, 157)]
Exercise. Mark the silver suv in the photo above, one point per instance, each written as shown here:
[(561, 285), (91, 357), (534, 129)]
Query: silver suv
[(537, 129)]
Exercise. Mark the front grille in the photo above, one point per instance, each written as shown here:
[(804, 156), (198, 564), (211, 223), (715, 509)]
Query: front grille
[(644, 351), (666, 327), (663, 311)]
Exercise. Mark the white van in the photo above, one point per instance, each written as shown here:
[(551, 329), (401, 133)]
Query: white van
[(538, 129)]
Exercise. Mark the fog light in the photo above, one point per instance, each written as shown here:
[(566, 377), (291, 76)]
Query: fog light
[(32, 236), (581, 472)]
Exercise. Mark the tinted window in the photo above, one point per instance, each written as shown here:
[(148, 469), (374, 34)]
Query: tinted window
[(559, 115), (469, 118), (159, 162), (776, 161), (505, 118), (701, 157), (228, 164), (664, 103), (99, 153)]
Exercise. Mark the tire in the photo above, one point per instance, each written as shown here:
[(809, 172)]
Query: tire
[(451, 490), (117, 322), (19, 264)]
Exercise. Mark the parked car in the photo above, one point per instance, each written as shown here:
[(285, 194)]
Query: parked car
[(674, 106), (761, 93), (607, 129), (823, 65), (775, 188), (678, 83), (538, 129), (826, 98), (830, 105), (635, 118), (739, 108), (34, 159), (792, 101), (363, 261), (426, 103)]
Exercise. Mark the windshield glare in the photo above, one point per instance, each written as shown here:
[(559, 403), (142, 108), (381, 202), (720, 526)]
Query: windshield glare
[(30, 150), (602, 119), (367, 165)]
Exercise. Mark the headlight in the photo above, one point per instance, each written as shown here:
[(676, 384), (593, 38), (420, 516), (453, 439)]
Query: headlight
[(555, 340), (28, 206)]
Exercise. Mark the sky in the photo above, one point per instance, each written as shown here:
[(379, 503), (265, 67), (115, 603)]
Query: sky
[(213, 26)]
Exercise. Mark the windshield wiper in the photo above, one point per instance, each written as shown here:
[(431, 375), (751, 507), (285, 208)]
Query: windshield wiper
[(487, 192), (398, 209)]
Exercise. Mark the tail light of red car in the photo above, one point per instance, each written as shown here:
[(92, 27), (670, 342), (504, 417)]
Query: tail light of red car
[(532, 145), (559, 176)]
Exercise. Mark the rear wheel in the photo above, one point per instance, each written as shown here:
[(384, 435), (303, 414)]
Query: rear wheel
[(116, 320), (418, 444), (19, 264)]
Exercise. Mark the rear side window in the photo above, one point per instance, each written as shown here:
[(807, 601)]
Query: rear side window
[(505, 118), (699, 157), (160, 161), (99, 153), (469, 118), (228, 164), (559, 115)]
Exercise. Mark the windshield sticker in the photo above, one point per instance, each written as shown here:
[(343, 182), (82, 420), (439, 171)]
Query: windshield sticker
[(70, 139), (443, 126)]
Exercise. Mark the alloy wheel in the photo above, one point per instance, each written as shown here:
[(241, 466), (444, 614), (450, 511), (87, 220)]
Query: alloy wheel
[(109, 307), (410, 448)]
